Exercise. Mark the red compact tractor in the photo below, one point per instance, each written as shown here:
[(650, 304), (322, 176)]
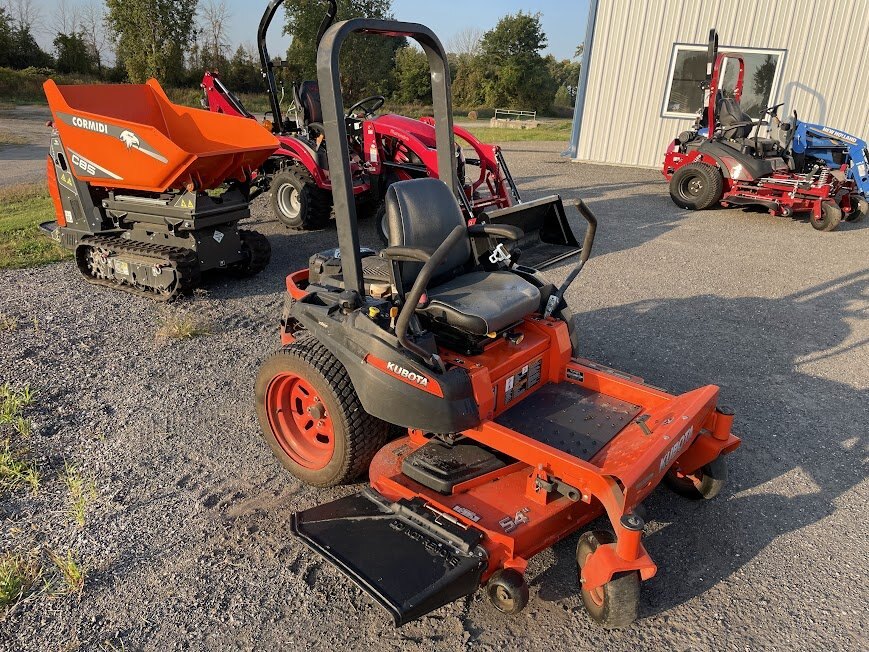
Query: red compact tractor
[(382, 149), (724, 160)]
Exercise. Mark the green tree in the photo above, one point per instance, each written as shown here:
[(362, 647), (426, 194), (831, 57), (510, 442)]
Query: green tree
[(25, 51), (412, 76), (366, 61), (516, 73), (152, 36), (243, 74), (72, 54), (5, 38)]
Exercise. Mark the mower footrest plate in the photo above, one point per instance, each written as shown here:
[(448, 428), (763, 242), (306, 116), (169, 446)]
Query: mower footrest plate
[(409, 558)]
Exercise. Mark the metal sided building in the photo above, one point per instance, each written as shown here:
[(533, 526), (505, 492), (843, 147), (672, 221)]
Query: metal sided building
[(644, 61)]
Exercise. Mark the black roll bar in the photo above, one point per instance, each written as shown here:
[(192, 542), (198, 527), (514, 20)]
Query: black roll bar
[(335, 127), (266, 61)]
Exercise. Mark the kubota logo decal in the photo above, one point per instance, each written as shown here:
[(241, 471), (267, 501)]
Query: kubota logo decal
[(675, 449), (412, 376)]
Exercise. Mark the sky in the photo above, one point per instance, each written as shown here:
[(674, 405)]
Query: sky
[(563, 20)]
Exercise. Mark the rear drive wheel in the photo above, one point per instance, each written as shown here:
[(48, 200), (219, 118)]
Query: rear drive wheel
[(696, 186), (705, 483), (829, 218), (613, 605), (859, 208), (508, 591), (381, 224), (297, 202), (311, 416)]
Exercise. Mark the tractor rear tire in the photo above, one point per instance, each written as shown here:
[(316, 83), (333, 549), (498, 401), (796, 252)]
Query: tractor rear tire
[(829, 219), (696, 186), (702, 485), (381, 225), (311, 416), (859, 208), (613, 605), (297, 202)]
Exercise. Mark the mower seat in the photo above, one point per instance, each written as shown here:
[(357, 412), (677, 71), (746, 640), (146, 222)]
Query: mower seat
[(421, 213), (730, 113)]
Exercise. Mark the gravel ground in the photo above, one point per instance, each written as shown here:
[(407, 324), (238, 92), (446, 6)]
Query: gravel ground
[(188, 543)]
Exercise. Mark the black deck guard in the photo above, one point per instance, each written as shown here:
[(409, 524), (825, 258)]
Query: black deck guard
[(410, 559), (548, 238)]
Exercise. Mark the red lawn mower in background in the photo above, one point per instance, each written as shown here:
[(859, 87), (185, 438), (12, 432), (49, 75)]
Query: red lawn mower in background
[(383, 149), (720, 161)]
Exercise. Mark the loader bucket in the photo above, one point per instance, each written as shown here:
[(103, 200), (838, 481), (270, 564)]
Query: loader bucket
[(548, 238), (131, 136)]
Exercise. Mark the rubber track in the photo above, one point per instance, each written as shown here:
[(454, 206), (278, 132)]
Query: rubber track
[(260, 251), (366, 434), (184, 262)]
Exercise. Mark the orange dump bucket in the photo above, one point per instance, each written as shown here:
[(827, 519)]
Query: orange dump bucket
[(132, 136)]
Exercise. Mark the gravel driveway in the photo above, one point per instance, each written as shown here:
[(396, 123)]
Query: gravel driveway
[(24, 162), (188, 543)]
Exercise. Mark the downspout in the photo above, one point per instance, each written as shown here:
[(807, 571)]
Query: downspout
[(582, 85)]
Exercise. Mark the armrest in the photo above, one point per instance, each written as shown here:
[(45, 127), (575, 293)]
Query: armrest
[(407, 254), (507, 231)]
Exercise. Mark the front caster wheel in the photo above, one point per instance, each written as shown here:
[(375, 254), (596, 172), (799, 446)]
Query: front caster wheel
[(859, 208), (705, 483), (613, 605), (829, 218), (508, 591)]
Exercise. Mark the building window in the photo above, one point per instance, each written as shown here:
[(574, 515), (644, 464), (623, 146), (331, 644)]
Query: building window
[(684, 96)]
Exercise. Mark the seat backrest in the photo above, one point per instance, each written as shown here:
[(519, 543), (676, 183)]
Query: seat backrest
[(309, 97), (422, 213), (729, 113)]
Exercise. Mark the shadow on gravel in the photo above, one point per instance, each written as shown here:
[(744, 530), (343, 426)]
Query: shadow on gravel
[(793, 424)]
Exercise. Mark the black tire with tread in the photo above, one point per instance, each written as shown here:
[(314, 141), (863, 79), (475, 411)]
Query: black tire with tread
[(860, 207), (315, 203), (621, 595), (508, 591), (380, 224), (706, 486), (711, 186), (830, 217), (358, 435)]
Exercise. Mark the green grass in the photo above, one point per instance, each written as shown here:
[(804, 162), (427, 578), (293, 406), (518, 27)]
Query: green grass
[(15, 470), (22, 208), (555, 130), (182, 323), (82, 490), (72, 573), (18, 575), (8, 138)]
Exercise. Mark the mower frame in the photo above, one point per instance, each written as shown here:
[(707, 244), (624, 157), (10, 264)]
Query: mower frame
[(489, 524)]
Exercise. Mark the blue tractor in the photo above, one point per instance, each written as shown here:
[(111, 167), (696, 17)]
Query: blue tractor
[(812, 144)]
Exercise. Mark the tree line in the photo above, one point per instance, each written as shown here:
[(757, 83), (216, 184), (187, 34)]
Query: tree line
[(176, 40)]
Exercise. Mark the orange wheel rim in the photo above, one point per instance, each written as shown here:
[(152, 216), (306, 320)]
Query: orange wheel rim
[(300, 422), (596, 594)]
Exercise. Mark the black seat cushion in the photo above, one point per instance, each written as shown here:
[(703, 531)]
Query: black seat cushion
[(730, 113), (309, 97), (422, 213), (482, 302)]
